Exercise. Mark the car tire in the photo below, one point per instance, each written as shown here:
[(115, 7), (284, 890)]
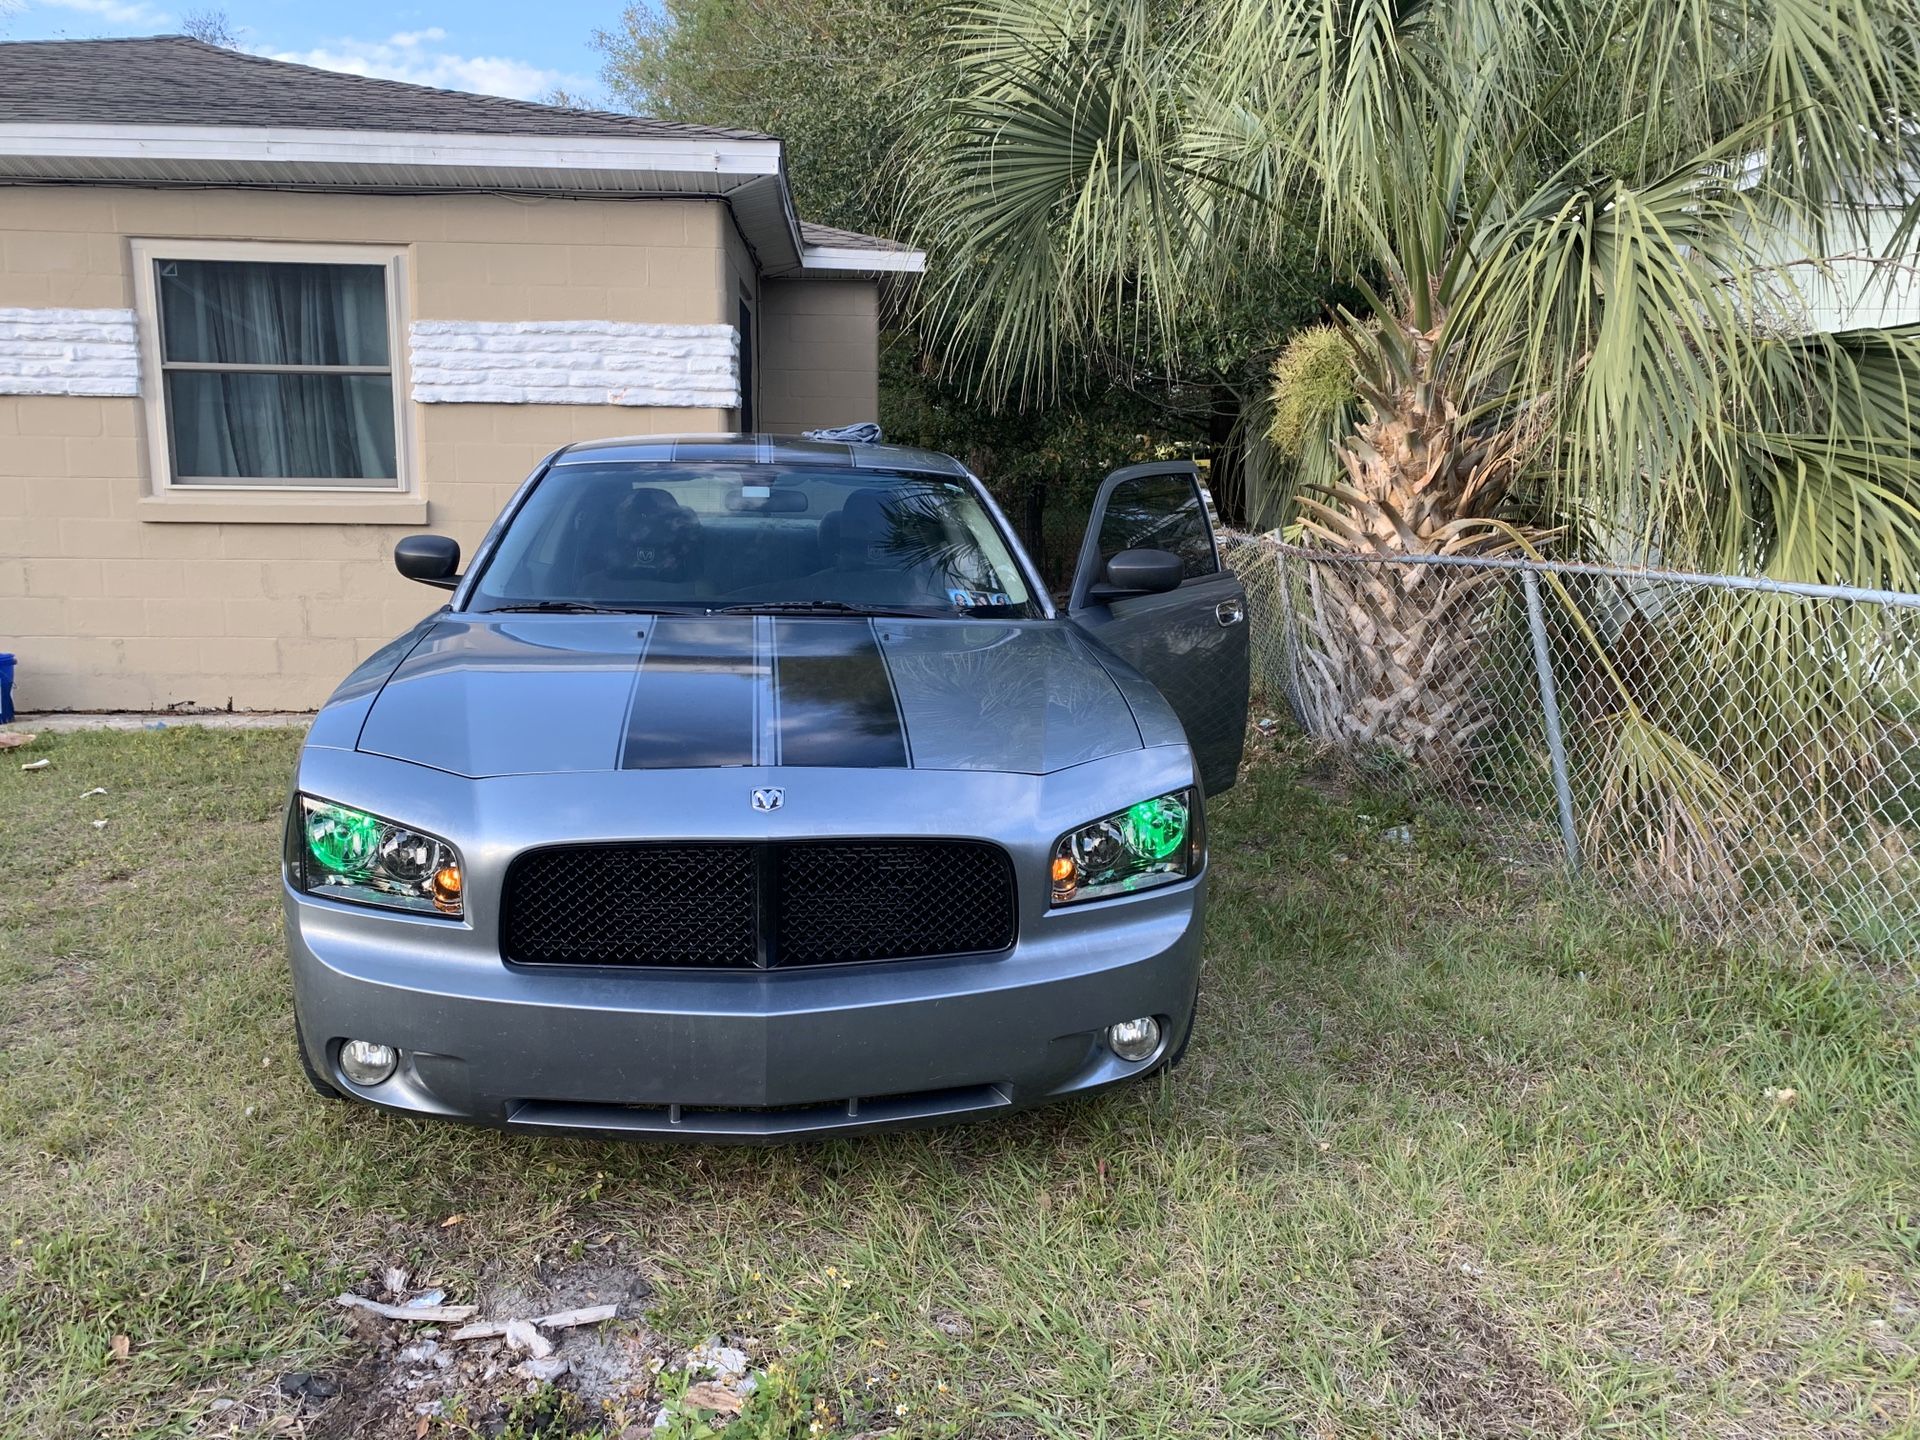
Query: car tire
[(314, 1077)]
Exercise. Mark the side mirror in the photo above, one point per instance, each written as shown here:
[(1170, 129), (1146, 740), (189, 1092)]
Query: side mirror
[(430, 559), (1142, 572)]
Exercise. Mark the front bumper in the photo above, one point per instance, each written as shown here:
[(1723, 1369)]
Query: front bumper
[(742, 1056)]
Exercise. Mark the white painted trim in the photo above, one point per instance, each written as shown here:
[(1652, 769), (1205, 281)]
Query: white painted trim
[(47, 350), (205, 505), (227, 143), (574, 362), (160, 482), (846, 258)]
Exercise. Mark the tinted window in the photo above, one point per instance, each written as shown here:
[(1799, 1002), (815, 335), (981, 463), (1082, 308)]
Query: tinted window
[(711, 534), (1159, 512)]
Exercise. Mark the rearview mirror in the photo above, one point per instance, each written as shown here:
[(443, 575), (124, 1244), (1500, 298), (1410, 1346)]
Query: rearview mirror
[(762, 501), (1142, 572), (430, 559)]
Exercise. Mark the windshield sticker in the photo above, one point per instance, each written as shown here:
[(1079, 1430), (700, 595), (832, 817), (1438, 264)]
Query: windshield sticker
[(968, 599)]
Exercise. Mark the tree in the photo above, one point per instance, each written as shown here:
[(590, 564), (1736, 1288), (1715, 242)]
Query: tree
[(841, 81), (210, 27), (1560, 219), (830, 77)]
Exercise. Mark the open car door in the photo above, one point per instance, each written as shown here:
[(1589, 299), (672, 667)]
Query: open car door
[(1191, 640)]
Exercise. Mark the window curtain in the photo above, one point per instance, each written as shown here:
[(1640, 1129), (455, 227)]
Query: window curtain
[(278, 424)]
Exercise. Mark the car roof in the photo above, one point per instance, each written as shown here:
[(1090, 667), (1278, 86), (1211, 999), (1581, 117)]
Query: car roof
[(759, 450)]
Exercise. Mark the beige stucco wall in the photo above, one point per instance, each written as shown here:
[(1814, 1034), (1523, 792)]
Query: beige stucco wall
[(819, 353), (112, 600)]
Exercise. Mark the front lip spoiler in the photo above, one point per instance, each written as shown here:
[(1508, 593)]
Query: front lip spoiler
[(750, 1125)]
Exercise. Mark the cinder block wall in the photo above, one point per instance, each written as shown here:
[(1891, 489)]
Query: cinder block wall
[(113, 600), (819, 353)]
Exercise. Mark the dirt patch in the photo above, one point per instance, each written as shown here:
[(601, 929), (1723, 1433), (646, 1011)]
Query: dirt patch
[(409, 1376), (1468, 1373), (601, 1359)]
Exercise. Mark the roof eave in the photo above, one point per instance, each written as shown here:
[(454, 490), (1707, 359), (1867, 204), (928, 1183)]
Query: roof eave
[(750, 174), (229, 144), (837, 261)]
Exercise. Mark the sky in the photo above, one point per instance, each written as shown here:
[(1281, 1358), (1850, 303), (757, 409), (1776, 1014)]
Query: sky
[(525, 50)]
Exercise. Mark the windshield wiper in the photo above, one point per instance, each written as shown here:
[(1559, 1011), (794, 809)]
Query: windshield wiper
[(577, 607), (817, 607)]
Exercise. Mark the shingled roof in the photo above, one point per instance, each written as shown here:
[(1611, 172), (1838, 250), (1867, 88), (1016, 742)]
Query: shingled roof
[(174, 80), (168, 110), (830, 237)]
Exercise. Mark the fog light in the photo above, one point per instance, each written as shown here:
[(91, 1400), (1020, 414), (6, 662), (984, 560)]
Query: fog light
[(1134, 1039), (366, 1063)]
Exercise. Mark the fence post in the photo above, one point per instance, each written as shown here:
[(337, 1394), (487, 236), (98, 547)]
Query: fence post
[(1290, 640), (1550, 707)]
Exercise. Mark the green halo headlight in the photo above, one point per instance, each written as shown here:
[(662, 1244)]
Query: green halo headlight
[(346, 854), (1157, 828), (342, 840), (1154, 842)]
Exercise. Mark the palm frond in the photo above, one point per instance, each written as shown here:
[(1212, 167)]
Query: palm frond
[(1060, 184)]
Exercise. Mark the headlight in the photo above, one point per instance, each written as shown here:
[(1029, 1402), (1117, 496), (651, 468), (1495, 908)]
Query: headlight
[(347, 854), (1153, 843)]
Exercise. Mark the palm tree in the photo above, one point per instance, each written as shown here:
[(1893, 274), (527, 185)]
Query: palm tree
[(1564, 218)]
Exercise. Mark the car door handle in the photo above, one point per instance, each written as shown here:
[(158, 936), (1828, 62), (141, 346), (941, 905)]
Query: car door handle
[(1230, 612)]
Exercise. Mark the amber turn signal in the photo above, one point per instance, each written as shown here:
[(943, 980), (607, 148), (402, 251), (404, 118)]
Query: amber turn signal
[(1065, 877), (446, 887)]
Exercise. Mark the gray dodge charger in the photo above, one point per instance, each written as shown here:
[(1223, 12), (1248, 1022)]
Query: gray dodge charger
[(752, 788)]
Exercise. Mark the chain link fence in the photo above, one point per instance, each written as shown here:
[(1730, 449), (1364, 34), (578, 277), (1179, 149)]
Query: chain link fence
[(1745, 753)]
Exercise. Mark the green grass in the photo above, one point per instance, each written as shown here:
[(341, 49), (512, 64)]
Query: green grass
[(1455, 1151)]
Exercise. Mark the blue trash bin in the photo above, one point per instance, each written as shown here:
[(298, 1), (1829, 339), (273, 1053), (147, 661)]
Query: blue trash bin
[(6, 688)]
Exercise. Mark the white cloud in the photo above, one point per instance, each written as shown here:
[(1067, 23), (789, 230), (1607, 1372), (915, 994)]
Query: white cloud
[(133, 14), (415, 55)]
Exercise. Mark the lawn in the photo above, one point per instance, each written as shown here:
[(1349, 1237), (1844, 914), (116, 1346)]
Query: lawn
[(1456, 1151)]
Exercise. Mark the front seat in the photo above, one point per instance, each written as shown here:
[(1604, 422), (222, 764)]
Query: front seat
[(864, 536), (650, 549)]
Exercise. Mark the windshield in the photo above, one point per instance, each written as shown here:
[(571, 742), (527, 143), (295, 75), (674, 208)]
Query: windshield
[(623, 536)]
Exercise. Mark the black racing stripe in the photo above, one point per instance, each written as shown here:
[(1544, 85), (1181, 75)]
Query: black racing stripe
[(693, 697), (835, 703)]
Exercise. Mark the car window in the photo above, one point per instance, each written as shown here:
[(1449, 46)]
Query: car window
[(712, 534), (1159, 512)]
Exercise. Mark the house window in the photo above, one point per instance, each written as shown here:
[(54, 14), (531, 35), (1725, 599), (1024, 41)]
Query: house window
[(271, 366)]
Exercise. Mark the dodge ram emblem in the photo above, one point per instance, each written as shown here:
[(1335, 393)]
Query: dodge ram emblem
[(771, 798)]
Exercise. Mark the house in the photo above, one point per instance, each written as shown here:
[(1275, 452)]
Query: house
[(1870, 281), (258, 321)]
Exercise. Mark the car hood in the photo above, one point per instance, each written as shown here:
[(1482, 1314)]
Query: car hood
[(506, 695)]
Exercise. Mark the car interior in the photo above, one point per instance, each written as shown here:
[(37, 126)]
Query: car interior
[(743, 535)]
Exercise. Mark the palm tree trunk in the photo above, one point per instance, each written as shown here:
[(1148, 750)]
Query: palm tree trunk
[(1396, 661), (1398, 655)]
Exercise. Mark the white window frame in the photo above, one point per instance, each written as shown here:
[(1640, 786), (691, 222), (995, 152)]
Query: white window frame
[(148, 254)]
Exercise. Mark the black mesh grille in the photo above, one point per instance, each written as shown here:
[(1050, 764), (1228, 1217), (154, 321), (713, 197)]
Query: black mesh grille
[(632, 905), (891, 900), (705, 906)]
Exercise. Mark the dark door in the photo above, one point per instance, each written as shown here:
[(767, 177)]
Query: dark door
[(747, 416), (1191, 642)]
